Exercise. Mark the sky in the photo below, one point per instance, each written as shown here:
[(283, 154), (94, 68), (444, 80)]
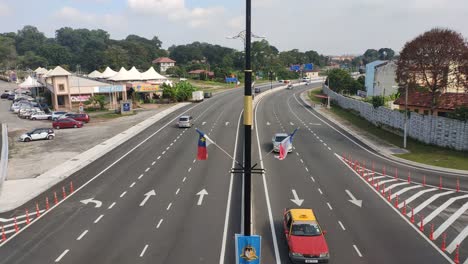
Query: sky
[(330, 27)]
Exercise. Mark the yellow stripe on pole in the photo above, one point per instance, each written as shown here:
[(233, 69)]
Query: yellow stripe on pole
[(248, 113)]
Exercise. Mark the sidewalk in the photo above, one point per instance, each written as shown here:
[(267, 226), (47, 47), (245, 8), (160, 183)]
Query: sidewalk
[(377, 144)]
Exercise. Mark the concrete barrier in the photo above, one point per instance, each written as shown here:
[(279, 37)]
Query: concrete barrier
[(4, 156)]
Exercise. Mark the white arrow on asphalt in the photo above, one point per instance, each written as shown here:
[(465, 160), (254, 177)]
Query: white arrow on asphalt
[(353, 199), (227, 123), (203, 123), (291, 123), (91, 200), (202, 193), (268, 123), (296, 199), (147, 196)]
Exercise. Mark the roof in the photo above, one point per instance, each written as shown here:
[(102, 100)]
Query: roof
[(30, 83), (302, 214), (151, 74), (58, 71), (76, 81), (200, 72), (108, 72), (95, 74), (446, 101), (163, 60)]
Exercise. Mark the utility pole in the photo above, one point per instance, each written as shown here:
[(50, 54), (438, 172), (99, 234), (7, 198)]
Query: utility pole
[(248, 120), (406, 117)]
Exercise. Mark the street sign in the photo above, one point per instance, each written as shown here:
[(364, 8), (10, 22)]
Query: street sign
[(231, 80), (295, 68), (126, 107), (308, 67), (248, 249)]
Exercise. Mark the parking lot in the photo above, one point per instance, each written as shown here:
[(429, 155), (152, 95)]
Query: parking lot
[(30, 159)]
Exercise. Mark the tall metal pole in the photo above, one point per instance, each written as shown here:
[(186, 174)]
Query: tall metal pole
[(248, 119), (406, 117)]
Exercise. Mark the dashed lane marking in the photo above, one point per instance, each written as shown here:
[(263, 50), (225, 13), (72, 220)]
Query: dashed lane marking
[(302, 161), (154, 162), (306, 169), (159, 157), (178, 190), (123, 194), (62, 255), (429, 201), (171, 144), (82, 235), (329, 148), (194, 161), (329, 206), (342, 226), (297, 154), (141, 176), (99, 218), (112, 205), (320, 191), (143, 251), (313, 179), (169, 207), (147, 169), (164, 152), (133, 184), (189, 169), (160, 222), (357, 251), (185, 178), (168, 148)]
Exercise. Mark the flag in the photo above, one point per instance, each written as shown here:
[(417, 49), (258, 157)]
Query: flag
[(203, 142), (283, 148), (291, 136)]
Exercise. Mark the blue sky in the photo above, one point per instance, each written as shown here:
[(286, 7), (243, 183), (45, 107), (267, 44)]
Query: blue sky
[(331, 27)]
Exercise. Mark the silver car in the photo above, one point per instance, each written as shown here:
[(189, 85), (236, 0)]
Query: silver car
[(185, 121), (277, 139), (38, 134)]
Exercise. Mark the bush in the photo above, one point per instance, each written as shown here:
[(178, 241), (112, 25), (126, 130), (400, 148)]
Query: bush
[(378, 101), (460, 113)]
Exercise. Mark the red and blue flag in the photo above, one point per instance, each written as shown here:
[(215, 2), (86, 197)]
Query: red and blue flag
[(203, 142)]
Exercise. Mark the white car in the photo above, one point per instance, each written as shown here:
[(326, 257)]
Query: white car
[(277, 139), (56, 114), (37, 134), (40, 115), (185, 121)]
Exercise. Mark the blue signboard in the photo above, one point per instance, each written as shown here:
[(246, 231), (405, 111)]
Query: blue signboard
[(308, 67), (295, 68), (126, 107), (108, 89), (231, 80), (248, 249)]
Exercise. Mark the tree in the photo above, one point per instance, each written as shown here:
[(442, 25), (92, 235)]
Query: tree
[(31, 60), (29, 39), (386, 54), (97, 100), (341, 81), (432, 60), (7, 52)]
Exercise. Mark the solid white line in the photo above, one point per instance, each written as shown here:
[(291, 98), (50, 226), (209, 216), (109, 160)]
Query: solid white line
[(169, 207), (320, 191), (451, 219), (403, 191), (357, 250), (141, 176), (62, 255), (429, 201), (112, 205), (133, 184), (177, 192), (329, 206), (123, 194), (313, 179), (463, 234), (160, 222), (386, 181), (147, 169), (395, 185), (415, 196), (143, 251), (158, 157), (154, 162), (97, 219), (342, 226), (82, 235), (185, 178), (189, 169)]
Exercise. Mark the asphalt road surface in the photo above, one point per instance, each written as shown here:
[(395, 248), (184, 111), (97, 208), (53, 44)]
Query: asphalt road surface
[(153, 202)]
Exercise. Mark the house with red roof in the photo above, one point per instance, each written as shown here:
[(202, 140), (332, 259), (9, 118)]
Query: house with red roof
[(420, 102), (164, 63)]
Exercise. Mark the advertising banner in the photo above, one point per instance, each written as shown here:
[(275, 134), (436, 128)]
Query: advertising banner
[(109, 89), (248, 249), (80, 98), (145, 87)]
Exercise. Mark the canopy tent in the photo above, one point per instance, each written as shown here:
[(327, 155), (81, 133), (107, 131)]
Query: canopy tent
[(95, 75), (108, 72), (134, 74), (122, 75), (41, 70), (30, 83), (151, 74)]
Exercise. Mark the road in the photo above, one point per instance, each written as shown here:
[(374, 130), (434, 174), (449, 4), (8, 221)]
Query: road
[(153, 202)]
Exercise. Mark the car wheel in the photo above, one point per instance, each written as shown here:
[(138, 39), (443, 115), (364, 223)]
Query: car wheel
[(75, 126), (27, 139), (57, 127), (49, 118), (33, 118), (49, 137)]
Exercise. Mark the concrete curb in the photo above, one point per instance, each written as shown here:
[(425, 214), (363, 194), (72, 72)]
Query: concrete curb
[(19, 192), (378, 150), (4, 156)]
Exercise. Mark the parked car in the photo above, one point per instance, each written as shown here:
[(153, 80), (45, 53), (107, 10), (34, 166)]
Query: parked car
[(79, 117), (4, 95), (185, 121), (40, 115), (11, 97), (67, 123), (27, 112), (57, 114), (37, 134)]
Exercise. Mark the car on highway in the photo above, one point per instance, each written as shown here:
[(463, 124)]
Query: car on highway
[(38, 134), (207, 94), (185, 121), (257, 90), (290, 86), (40, 115), (277, 139), (305, 237), (57, 114), (66, 123)]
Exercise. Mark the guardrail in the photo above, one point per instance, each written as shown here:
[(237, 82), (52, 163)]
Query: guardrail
[(4, 156)]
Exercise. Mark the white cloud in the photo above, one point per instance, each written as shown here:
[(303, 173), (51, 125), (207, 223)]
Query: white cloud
[(236, 23), (156, 6), (4, 9), (78, 18)]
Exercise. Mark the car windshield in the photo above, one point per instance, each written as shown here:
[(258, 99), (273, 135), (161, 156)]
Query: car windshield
[(306, 229), (183, 119), (280, 138)]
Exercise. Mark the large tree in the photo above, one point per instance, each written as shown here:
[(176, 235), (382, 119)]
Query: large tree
[(432, 61)]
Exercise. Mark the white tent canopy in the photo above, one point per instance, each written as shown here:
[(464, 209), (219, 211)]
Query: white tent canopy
[(122, 75), (134, 74), (151, 74), (30, 83), (95, 75), (108, 73)]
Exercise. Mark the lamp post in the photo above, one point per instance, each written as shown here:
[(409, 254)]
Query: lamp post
[(405, 132)]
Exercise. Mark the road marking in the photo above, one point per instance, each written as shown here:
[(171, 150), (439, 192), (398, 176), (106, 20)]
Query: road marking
[(320, 191), (194, 160), (177, 192), (133, 184), (429, 201), (395, 185), (164, 152), (183, 180), (297, 153), (141, 176), (463, 234), (112, 205), (202, 193), (403, 191), (378, 177), (357, 250), (175, 140), (444, 206), (306, 169), (386, 181), (415, 196), (97, 219), (159, 157), (325, 144), (62, 255), (154, 162), (302, 161), (342, 226), (320, 140), (450, 220), (147, 169), (169, 207), (329, 148), (168, 148), (160, 222), (82, 235), (143, 251), (123, 194), (171, 144), (189, 169), (329, 206)]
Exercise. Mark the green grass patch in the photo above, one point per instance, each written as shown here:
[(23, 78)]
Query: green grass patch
[(113, 115), (312, 96), (419, 152)]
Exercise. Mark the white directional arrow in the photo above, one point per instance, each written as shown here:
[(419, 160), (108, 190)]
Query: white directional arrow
[(268, 123), (296, 199), (227, 123), (147, 196), (91, 200), (353, 199), (203, 123), (202, 193), (291, 123)]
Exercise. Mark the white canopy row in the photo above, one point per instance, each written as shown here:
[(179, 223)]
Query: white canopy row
[(123, 75)]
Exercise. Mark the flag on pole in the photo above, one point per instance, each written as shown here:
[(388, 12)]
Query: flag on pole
[(283, 148), (291, 136), (203, 142)]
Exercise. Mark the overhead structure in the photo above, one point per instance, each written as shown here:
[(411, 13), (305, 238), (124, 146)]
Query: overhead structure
[(108, 72), (122, 75), (30, 83), (134, 74), (95, 75), (152, 74), (40, 70), (58, 71)]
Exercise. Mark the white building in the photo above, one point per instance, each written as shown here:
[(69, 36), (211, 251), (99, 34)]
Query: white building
[(164, 63)]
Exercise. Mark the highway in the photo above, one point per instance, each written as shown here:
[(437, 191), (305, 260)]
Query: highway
[(151, 201)]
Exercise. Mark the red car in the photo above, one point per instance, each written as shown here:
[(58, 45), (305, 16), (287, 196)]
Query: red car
[(78, 117), (305, 237), (66, 123)]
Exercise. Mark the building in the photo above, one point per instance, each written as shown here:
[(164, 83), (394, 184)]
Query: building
[(164, 63), (314, 74), (385, 79), (420, 102), (370, 76), (202, 73)]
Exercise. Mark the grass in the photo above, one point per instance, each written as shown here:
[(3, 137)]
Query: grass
[(313, 98), (112, 115), (419, 152)]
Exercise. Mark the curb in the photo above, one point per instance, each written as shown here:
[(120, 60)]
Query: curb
[(378, 150), (55, 175), (4, 156)]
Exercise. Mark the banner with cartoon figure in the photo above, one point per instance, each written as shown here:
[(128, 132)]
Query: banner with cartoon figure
[(248, 249)]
